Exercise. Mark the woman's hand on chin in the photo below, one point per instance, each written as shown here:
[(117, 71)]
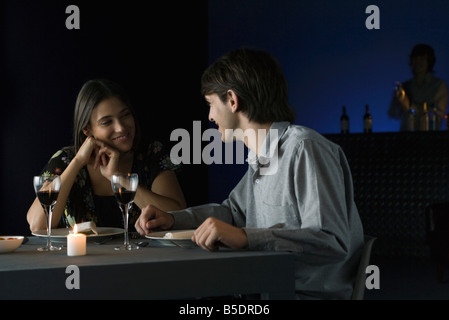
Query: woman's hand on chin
[(87, 151), (107, 159)]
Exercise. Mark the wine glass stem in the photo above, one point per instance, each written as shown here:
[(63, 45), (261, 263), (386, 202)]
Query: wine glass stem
[(50, 212), (48, 221), (125, 220)]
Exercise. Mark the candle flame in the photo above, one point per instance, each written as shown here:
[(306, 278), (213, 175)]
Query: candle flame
[(75, 229)]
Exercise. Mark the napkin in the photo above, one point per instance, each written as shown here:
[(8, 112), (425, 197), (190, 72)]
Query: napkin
[(179, 235), (87, 227)]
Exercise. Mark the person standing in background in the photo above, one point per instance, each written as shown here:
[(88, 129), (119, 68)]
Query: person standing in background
[(424, 87)]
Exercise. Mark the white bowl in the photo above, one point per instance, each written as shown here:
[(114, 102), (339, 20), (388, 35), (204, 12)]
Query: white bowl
[(10, 243)]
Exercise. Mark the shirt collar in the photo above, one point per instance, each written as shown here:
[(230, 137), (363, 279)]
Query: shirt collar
[(269, 146)]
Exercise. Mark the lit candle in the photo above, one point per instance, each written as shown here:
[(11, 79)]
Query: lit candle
[(76, 243)]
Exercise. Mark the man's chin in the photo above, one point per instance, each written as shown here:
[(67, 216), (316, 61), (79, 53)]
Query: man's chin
[(228, 139)]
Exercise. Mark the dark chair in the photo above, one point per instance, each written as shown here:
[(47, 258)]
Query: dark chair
[(437, 235), (359, 286)]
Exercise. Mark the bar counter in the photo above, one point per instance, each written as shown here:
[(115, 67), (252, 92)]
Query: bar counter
[(396, 175)]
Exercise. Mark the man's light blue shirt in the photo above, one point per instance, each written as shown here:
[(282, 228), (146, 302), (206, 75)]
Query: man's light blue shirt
[(296, 196)]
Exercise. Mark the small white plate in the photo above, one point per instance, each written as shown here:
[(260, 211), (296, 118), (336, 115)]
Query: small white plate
[(10, 243), (60, 234), (180, 238)]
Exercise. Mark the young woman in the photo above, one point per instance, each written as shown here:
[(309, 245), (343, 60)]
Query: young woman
[(106, 141)]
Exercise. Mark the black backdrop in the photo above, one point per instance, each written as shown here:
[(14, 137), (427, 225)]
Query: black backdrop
[(156, 50)]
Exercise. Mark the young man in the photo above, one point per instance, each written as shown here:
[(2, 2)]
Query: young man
[(297, 194)]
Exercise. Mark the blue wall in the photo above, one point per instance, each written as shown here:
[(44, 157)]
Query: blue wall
[(329, 57)]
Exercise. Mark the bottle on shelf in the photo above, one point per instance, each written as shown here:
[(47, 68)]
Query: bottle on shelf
[(367, 121), (424, 119), (433, 119), (411, 118), (344, 121)]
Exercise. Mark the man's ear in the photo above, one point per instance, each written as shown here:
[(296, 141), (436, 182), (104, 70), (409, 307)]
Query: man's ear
[(233, 100)]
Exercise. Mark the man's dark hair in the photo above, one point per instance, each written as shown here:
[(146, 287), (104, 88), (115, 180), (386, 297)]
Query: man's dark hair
[(257, 79)]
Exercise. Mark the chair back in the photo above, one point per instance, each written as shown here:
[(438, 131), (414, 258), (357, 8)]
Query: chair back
[(437, 235), (359, 286)]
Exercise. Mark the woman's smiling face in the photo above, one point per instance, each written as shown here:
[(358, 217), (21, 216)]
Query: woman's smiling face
[(112, 122)]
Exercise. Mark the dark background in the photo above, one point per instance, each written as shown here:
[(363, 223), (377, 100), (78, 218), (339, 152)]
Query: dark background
[(158, 51), (329, 57)]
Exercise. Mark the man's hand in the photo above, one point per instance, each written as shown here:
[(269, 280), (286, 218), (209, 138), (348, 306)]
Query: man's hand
[(152, 218), (213, 232)]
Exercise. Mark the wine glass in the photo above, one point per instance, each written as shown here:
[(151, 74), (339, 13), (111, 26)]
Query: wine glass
[(125, 187), (47, 190)]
